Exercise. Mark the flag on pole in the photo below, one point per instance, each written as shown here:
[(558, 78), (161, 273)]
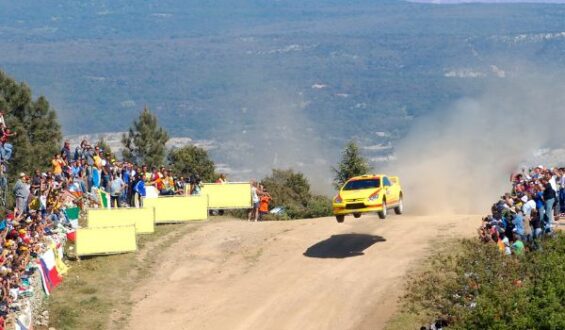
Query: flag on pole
[(104, 199), (50, 277), (72, 214)]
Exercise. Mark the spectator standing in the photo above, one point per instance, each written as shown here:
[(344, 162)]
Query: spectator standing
[(549, 200), (95, 178), (57, 163), (35, 183), (518, 222), (562, 191), (117, 185), (66, 152), (138, 191), (21, 192), (264, 201), (254, 212)]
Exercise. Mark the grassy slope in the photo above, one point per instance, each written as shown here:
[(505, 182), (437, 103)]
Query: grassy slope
[(96, 292)]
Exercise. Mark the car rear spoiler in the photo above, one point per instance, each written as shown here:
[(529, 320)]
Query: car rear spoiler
[(394, 179)]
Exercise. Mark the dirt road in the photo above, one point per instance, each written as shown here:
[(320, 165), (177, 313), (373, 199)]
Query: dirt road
[(311, 274)]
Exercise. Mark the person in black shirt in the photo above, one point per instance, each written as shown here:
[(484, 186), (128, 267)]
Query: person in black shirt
[(549, 201)]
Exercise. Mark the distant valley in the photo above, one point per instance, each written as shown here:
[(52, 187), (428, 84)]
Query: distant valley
[(272, 84)]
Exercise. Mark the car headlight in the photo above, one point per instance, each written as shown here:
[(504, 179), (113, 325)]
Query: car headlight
[(373, 197), (338, 199)]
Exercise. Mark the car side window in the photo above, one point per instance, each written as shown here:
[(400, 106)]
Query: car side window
[(386, 182)]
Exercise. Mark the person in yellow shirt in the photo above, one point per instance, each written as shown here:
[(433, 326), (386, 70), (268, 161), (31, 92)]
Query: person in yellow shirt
[(168, 184), (57, 162)]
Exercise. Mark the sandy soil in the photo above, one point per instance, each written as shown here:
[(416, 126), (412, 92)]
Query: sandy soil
[(310, 274)]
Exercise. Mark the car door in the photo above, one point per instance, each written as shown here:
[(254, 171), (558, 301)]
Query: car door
[(389, 191)]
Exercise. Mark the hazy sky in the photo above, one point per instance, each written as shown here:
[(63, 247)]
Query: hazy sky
[(487, 1)]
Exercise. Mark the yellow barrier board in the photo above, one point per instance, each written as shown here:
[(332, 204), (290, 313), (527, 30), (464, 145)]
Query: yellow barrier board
[(178, 209), (105, 240), (143, 219), (228, 195)]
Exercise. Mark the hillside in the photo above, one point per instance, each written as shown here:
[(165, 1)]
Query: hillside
[(271, 83)]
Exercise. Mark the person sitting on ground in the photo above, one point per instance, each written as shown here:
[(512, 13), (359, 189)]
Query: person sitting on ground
[(504, 244), (517, 246)]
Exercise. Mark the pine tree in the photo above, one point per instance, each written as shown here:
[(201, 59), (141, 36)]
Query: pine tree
[(35, 123), (145, 141), (351, 164), (192, 160)]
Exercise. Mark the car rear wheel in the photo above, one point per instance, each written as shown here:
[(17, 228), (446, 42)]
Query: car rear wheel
[(357, 215), (382, 214), (400, 207), (340, 218)]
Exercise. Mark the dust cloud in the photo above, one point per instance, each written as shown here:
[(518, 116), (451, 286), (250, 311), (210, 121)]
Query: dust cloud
[(279, 136), (459, 160)]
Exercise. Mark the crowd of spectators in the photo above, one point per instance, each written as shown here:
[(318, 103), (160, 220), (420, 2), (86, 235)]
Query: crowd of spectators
[(39, 218), (528, 212), (37, 222), (88, 169)]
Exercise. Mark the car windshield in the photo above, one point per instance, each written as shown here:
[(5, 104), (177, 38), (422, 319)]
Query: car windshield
[(362, 184)]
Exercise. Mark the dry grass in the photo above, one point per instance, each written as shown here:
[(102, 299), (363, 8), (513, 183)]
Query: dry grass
[(96, 292)]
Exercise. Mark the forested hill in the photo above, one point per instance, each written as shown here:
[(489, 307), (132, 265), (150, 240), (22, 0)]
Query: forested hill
[(270, 75)]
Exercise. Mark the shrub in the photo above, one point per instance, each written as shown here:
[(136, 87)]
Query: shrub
[(483, 289), (291, 190), (318, 206)]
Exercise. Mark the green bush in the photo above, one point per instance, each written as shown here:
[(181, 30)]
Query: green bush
[(482, 289), (291, 190), (318, 206)]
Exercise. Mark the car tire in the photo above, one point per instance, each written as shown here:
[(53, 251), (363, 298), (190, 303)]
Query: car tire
[(399, 209), (357, 215), (382, 214), (340, 218)]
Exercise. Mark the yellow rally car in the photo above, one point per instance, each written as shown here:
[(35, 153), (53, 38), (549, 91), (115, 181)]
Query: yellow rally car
[(368, 193)]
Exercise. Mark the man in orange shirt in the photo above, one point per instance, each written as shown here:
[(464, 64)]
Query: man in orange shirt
[(264, 204)]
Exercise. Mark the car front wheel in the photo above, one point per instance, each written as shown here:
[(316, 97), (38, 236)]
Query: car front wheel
[(400, 207), (382, 214), (340, 218)]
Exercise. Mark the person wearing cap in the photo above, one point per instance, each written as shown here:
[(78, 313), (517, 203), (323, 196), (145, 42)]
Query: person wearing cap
[(21, 192)]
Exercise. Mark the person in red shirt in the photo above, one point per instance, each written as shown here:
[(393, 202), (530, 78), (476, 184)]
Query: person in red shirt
[(5, 148), (221, 179)]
